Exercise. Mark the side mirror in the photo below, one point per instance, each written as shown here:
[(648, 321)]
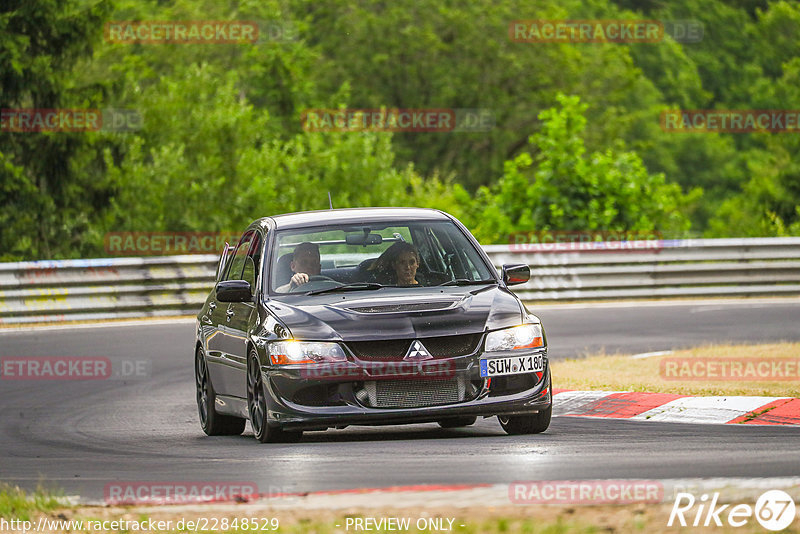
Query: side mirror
[(514, 274), (234, 291)]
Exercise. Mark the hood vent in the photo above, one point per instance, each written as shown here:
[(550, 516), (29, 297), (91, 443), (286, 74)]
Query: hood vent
[(409, 307)]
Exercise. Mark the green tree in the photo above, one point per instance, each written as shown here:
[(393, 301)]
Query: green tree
[(563, 188), (434, 54), (208, 160), (46, 201)]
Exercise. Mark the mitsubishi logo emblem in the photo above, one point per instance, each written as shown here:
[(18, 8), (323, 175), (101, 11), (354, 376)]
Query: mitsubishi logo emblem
[(417, 351)]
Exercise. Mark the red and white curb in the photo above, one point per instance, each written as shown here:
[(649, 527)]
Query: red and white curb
[(667, 407)]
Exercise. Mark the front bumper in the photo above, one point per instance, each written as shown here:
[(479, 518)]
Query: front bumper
[(347, 406)]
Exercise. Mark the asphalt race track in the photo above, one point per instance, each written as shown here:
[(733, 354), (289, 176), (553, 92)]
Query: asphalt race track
[(82, 435)]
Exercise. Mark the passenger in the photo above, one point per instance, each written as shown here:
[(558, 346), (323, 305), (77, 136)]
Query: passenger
[(305, 263), (398, 265)]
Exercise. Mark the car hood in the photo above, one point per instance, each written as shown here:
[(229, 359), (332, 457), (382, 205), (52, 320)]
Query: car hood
[(397, 313)]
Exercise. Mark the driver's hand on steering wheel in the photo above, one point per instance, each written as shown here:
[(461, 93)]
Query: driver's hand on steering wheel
[(298, 279)]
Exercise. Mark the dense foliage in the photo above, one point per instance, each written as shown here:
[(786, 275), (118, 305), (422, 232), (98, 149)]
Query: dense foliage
[(577, 143)]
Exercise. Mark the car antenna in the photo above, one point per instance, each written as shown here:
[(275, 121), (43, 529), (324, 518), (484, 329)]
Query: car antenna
[(330, 202)]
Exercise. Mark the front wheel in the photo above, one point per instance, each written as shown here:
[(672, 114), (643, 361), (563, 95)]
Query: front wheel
[(257, 406), (533, 423), (213, 423)]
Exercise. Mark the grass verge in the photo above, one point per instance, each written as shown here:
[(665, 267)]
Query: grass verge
[(623, 373), (18, 504)]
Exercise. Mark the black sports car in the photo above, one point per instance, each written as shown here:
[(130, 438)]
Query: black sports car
[(366, 316)]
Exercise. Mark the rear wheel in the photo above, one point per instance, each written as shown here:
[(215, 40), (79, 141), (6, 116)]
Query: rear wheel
[(455, 422), (257, 406), (532, 423), (213, 423)]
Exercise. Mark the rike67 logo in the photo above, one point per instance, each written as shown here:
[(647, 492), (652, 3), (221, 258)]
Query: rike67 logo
[(774, 510)]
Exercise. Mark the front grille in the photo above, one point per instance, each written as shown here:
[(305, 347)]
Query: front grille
[(412, 393), (396, 349), (448, 346)]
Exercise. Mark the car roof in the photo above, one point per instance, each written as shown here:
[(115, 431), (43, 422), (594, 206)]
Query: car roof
[(352, 216)]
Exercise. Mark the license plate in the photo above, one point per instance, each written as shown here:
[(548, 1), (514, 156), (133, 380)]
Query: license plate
[(512, 365)]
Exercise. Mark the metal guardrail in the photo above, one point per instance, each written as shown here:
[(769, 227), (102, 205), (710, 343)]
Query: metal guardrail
[(656, 269), (110, 288), (53, 291)]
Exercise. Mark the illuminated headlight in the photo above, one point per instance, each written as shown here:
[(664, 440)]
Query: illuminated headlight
[(291, 351), (527, 336)]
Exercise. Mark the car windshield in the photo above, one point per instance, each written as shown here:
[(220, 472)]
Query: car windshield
[(370, 256)]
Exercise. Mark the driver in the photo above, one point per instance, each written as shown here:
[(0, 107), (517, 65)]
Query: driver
[(305, 263)]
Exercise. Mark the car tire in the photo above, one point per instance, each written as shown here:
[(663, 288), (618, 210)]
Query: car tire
[(533, 423), (456, 422), (257, 407), (212, 423)]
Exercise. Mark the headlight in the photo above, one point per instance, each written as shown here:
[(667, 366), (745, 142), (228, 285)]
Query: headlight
[(291, 351), (526, 336)]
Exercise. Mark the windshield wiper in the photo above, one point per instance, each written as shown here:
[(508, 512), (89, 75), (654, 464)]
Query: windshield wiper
[(347, 287), (465, 282)]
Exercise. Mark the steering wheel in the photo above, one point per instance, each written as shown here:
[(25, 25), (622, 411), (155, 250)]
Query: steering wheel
[(320, 278), (314, 282)]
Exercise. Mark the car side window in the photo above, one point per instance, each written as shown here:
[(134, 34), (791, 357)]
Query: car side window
[(224, 261), (250, 269), (239, 256)]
